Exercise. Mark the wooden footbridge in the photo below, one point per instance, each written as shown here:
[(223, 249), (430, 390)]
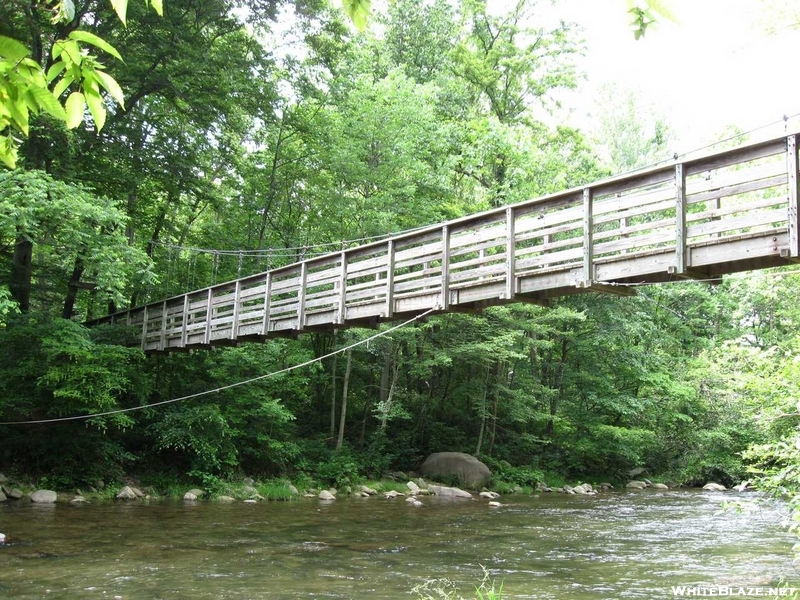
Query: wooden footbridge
[(730, 211)]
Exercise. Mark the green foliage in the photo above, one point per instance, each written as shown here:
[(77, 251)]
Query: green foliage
[(340, 469)]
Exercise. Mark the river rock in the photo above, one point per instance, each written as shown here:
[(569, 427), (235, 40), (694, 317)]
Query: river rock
[(126, 493), (490, 495), (714, 487), (3, 497), (250, 501), (326, 495), (15, 494), (3, 478), (605, 486), (448, 492), (392, 494), (196, 492), (139, 493), (190, 497), (494, 503), (413, 487), (293, 490), (2, 538), (466, 468), (44, 496), (741, 487), (584, 488), (225, 499), (249, 490), (636, 485), (568, 490), (78, 500), (248, 481), (368, 491), (659, 486), (416, 503)]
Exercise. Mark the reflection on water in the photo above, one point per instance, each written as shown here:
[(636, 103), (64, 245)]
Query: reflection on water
[(631, 545)]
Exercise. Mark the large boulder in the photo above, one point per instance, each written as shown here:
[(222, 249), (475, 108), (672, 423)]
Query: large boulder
[(714, 487), (44, 496), (326, 495), (448, 492), (15, 494), (126, 493), (3, 497), (471, 472), (636, 485)]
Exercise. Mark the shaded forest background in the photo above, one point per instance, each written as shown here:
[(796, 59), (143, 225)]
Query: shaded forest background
[(250, 141)]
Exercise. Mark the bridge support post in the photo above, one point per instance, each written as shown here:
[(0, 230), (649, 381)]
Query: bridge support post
[(185, 321), (301, 296), (237, 297), (445, 301), (588, 238), (342, 311), (511, 246), (162, 338), (144, 328), (793, 180), (681, 251), (267, 301), (389, 312), (209, 316)]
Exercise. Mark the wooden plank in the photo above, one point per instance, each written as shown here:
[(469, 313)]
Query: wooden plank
[(185, 321), (734, 156), (793, 180), (588, 242), (209, 314), (301, 297), (144, 328), (389, 280), (681, 254), (511, 244), (445, 301), (237, 298), (342, 302), (741, 222)]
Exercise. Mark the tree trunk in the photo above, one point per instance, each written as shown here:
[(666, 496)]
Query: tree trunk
[(333, 398), (387, 406), (345, 384), (72, 289), (483, 415), (21, 271)]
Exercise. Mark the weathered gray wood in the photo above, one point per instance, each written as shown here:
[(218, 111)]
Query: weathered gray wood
[(588, 241), (681, 254), (341, 311), (510, 259), (301, 297), (185, 321), (445, 301), (236, 304), (793, 176), (389, 280)]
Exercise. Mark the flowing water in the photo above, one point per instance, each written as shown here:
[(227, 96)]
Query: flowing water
[(616, 545)]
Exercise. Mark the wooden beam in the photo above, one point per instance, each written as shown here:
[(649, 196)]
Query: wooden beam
[(209, 315), (511, 247), (236, 301), (794, 179), (681, 251), (342, 311), (588, 250), (267, 302), (184, 321), (389, 280), (144, 328), (604, 288), (301, 296), (444, 304), (691, 274)]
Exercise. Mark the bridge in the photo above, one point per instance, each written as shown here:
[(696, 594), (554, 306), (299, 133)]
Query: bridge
[(702, 218)]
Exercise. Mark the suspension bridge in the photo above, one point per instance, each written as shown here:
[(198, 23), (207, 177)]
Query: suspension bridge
[(721, 213)]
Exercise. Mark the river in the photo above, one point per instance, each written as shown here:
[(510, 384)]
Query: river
[(616, 545)]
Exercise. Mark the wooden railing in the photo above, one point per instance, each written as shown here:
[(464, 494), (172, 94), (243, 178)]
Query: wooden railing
[(725, 212)]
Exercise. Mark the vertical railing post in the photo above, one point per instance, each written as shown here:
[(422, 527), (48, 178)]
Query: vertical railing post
[(511, 247), (301, 296), (144, 328), (389, 312), (237, 292), (445, 301), (185, 322), (588, 238), (793, 180), (681, 250), (267, 301), (209, 315), (342, 310), (162, 338)]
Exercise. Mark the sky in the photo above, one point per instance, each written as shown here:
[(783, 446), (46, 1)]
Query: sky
[(717, 66)]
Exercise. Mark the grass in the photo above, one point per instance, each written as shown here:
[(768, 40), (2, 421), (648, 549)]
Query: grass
[(444, 589)]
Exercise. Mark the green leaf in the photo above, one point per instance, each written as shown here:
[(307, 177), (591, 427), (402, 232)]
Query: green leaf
[(158, 6), (54, 70), (12, 49), (98, 42), (111, 86), (19, 113), (96, 106), (74, 107), (121, 8), (358, 11), (8, 152), (62, 85), (47, 101)]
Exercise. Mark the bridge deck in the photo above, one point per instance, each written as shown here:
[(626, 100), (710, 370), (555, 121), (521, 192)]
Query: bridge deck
[(726, 212)]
